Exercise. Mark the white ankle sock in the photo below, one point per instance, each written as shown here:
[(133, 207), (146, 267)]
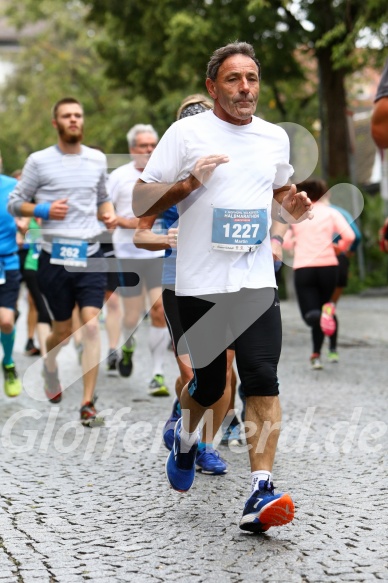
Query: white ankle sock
[(128, 336), (256, 477), (188, 439), (158, 341)]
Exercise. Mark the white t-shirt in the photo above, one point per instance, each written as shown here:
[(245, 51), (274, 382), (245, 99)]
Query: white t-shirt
[(258, 162), (120, 187)]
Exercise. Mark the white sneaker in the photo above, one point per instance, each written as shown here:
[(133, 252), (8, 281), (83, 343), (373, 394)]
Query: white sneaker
[(316, 362)]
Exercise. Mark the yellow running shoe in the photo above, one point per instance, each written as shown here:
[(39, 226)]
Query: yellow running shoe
[(12, 384), (157, 388)]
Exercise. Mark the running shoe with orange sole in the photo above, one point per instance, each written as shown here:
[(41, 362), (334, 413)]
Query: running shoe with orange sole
[(52, 386), (265, 509)]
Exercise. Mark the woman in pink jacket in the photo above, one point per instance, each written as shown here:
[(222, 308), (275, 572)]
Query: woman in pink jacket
[(316, 265)]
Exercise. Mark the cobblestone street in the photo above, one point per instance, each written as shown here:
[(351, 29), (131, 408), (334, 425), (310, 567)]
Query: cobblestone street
[(81, 504)]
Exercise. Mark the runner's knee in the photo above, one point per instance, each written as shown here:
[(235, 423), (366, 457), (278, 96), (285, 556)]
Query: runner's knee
[(312, 317), (263, 382), (91, 329), (63, 336), (157, 315), (206, 394)]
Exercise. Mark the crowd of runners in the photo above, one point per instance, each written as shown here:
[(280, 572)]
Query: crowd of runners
[(190, 232)]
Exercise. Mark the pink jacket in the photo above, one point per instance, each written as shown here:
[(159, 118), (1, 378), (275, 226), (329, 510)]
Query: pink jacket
[(312, 241)]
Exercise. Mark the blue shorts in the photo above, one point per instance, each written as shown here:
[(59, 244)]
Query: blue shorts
[(9, 290), (64, 289)]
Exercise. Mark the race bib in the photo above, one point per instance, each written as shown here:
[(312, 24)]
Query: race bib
[(69, 252), (239, 230), (2, 274)]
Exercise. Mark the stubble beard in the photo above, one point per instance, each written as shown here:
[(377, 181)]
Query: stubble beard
[(245, 111)]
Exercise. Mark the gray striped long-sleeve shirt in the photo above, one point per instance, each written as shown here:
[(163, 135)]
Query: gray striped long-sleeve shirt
[(49, 175)]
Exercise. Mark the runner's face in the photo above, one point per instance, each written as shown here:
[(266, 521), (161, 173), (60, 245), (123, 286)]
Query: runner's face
[(69, 123), (142, 150), (235, 90)]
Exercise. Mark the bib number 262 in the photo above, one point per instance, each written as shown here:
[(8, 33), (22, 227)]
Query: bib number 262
[(69, 252)]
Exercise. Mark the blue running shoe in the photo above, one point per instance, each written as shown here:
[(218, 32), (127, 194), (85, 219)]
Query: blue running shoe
[(232, 436), (169, 427), (180, 467), (210, 462), (235, 436), (225, 436), (265, 509)]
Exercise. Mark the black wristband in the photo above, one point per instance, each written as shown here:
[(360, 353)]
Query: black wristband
[(278, 238), (279, 219)]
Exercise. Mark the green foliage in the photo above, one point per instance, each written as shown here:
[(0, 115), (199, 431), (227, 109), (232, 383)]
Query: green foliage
[(376, 262), (134, 61), (163, 47), (62, 60)]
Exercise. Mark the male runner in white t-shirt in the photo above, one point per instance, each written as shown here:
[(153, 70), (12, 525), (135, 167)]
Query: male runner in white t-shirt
[(139, 270), (227, 171)]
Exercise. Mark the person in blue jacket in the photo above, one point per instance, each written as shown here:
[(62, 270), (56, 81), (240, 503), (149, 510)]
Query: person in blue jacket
[(9, 287)]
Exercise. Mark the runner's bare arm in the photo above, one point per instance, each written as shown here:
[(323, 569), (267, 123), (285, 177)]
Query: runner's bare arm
[(125, 223), (154, 198), (290, 206), (145, 238), (58, 209), (106, 213)]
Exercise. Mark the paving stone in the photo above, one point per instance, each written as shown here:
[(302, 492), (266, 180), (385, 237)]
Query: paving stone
[(99, 508)]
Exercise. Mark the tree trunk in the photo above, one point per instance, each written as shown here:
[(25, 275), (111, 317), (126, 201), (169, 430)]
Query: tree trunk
[(335, 122)]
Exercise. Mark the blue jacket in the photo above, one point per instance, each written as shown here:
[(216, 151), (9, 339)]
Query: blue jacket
[(8, 245), (353, 225)]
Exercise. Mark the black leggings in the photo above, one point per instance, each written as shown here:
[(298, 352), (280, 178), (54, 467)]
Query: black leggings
[(171, 313), (314, 287), (249, 318), (30, 277)]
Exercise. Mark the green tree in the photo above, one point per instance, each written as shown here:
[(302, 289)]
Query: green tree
[(161, 48), (62, 60), (334, 29)]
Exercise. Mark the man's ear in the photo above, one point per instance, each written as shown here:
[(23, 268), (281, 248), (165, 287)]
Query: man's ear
[(54, 123), (210, 86)]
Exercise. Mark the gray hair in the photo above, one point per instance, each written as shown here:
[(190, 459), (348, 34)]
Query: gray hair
[(140, 128), (234, 48)]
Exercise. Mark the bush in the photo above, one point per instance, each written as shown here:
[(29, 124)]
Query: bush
[(375, 262)]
